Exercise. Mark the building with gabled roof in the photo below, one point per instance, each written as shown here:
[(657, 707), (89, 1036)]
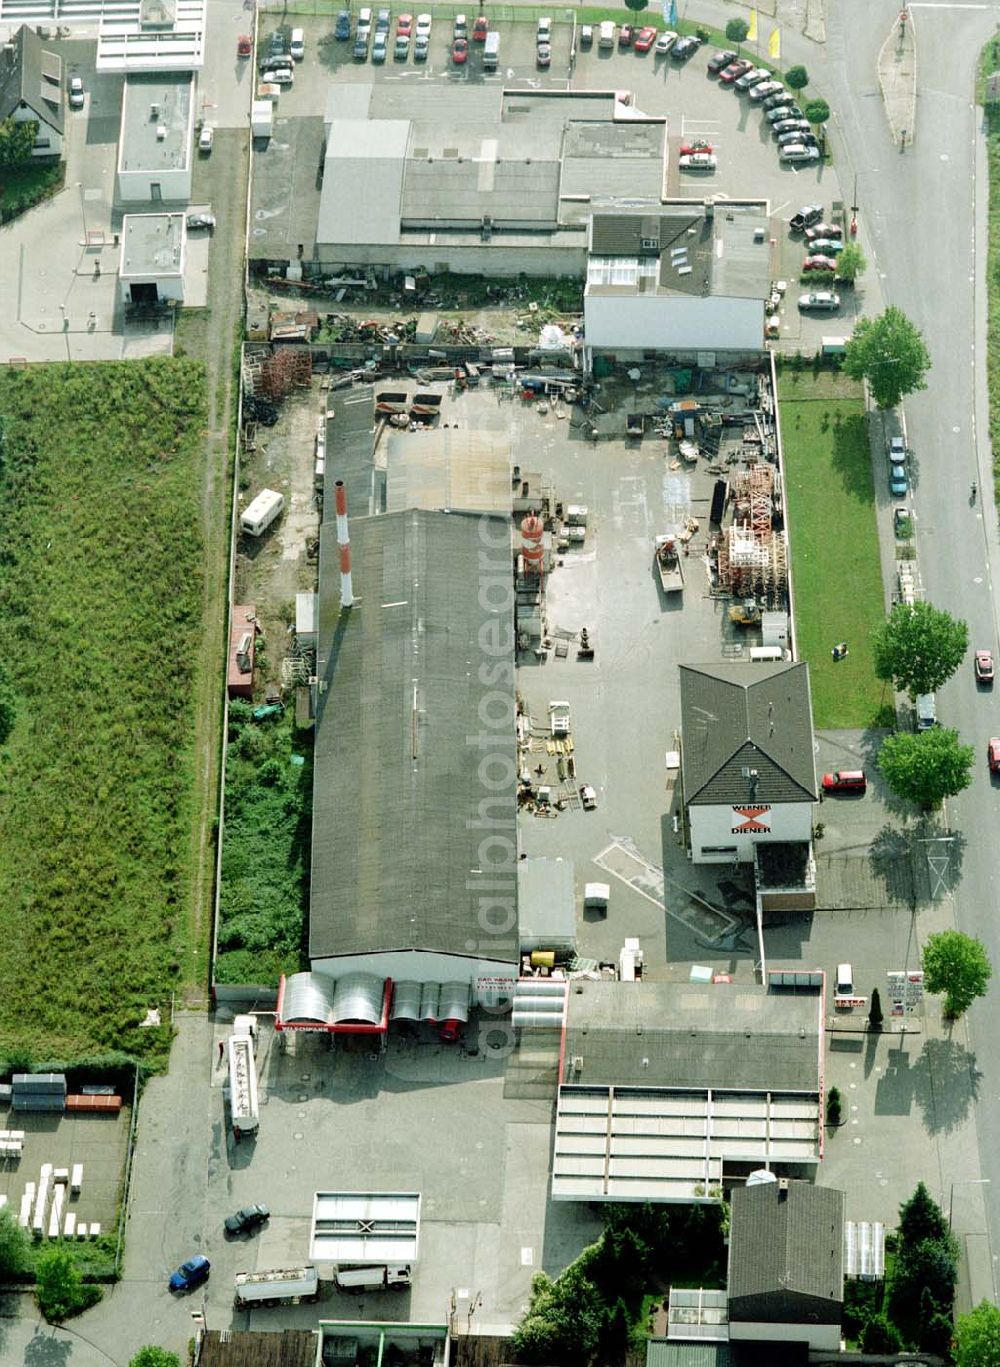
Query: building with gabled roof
[(31, 89), (746, 758)]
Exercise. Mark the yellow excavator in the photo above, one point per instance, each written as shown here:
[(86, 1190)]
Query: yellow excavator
[(745, 614)]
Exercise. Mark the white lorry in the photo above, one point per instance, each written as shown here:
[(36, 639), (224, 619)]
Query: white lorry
[(380, 1277), (280, 1286), (243, 1107)]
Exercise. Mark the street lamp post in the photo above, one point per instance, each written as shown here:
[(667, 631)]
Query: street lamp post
[(963, 1182)]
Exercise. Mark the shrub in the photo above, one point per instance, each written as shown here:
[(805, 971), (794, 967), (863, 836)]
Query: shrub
[(833, 1107)]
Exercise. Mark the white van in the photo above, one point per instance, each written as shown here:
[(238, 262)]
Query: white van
[(491, 52), (926, 708), (261, 512), (297, 47), (606, 38), (845, 980)]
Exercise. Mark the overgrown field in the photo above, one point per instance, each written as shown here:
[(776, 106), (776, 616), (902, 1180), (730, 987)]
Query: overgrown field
[(100, 596), (265, 850), (834, 544)]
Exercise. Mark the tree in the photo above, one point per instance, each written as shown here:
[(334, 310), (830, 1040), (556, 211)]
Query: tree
[(796, 78), (817, 111), (917, 648), (924, 1281), (154, 1357), (926, 768), (888, 352), (851, 262), (977, 1337), (934, 1326), (736, 31), (60, 1288), (834, 1112), (875, 1016), (8, 708), (878, 1335), (635, 5), (13, 1245), (17, 139), (956, 964), (920, 1219), (564, 1320)]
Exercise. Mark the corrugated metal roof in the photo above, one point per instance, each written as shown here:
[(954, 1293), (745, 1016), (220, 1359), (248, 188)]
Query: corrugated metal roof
[(747, 716), (446, 467), (398, 785), (786, 1239), (663, 1353)]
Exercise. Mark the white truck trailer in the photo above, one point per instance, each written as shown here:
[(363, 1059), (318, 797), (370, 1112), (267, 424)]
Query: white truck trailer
[(378, 1277), (277, 1287), (243, 1108)]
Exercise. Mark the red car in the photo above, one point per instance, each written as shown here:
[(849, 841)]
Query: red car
[(735, 70), (625, 35), (244, 45), (480, 29), (688, 149), (645, 39), (993, 755), (845, 781), (460, 51), (404, 26), (819, 263), (984, 666)]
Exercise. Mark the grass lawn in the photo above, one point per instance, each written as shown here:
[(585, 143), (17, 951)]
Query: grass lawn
[(834, 543), (100, 604), (21, 187)]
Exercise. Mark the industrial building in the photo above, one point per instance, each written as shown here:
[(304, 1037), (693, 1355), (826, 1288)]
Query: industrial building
[(690, 276), (151, 35), (671, 1091), (31, 90), (151, 269), (156, 141), (747, 761)]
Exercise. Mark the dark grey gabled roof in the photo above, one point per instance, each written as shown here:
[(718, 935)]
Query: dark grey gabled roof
[(786, 1239), (31, 75), (738, 717)]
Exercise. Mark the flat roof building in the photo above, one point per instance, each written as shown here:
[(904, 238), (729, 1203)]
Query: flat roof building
[(156, 142), (151, 267)]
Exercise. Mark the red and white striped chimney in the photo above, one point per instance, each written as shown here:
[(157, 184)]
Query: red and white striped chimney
[(344, 543)]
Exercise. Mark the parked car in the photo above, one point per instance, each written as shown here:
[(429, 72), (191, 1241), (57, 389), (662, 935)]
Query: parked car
[(984, 666), (404, 25), (423, 29), (783, 113), (819, 301), (297, 45), (645, 39), (76, 93), (279, 75), (380, 46), (586, 36), (720, 59), (401, 50), (383, 20), (845, 781), (684, 48), (845, 980), (206, 138), (993, 754), (606, 34), (796, 136), (798, 151), (277, 45), (202, 220), (461, 27), (460, 51), (664, 43), (360, 49), (806, 217), (734, 70), (190, 1274), (819, 263), (781, 97), (698, 161), (421, 47), (829, 246), (760, 92), (753, 77), (902, 524), (688, 149), (625, 35), (543, 54), (247, 1220), (782, 126), (823, 230), (244, 45), (543, 31), (898, 484), (896, 451), (480, 29), (342, 28)]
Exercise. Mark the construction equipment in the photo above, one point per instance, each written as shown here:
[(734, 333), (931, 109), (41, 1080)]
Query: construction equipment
[(666, 557), (746, 613)]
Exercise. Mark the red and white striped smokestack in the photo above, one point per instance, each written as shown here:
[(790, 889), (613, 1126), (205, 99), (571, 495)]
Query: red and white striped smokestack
[(344, 543)]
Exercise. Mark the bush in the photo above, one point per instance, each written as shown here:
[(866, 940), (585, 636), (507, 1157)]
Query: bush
[(796, 78), (61, 1290), (833, 1107), (879, 1335)]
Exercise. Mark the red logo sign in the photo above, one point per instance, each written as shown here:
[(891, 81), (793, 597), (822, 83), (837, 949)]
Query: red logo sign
[(752, 820)]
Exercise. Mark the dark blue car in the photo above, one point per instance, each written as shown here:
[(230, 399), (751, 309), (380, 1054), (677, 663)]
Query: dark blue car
[(190, 1274), (343, 28)]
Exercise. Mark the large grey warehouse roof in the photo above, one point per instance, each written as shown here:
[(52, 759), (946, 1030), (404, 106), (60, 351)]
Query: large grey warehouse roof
[(398, 788), (747, 733), (691, 1035), (787, 1238)]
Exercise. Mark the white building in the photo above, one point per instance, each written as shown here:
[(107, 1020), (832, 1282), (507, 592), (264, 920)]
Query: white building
[(689, 276), (31, 90), (151, 269), (151, 35), (156, 143), (746, 758)]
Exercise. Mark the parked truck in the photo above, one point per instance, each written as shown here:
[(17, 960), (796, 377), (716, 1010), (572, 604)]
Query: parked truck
[(379, 1277), (277, 1287), (243, 1107), (667, 559)]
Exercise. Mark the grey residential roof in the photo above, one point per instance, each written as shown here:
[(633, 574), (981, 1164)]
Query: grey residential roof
[(755, 717), (31, 75), (692, 1035), (399, 792), (786, 1239)]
